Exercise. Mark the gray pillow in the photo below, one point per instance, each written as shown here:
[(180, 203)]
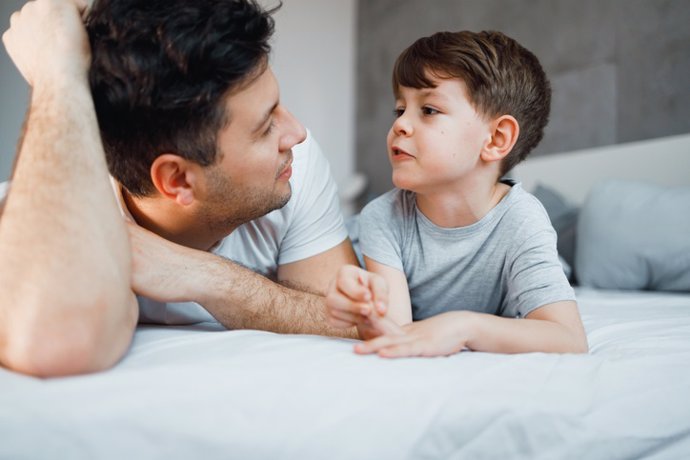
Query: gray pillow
[(563, 216), (633, 235)]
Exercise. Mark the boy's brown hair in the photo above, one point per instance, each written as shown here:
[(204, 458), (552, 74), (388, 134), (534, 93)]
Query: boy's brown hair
[(501, 76)]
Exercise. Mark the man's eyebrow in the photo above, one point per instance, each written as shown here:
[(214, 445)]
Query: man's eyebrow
[(265, 117)]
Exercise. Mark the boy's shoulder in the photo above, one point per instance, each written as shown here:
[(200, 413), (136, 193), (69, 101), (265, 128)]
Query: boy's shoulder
[(395, 203), (524, 211)]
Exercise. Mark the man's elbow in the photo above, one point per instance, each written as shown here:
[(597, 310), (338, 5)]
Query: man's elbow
[(71, 345)]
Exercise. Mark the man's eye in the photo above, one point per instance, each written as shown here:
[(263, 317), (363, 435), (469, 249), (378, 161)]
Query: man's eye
[(398, 111), (429, 111), (268, 130)]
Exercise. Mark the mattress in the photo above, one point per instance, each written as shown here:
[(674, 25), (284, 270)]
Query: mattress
[(203, 392)]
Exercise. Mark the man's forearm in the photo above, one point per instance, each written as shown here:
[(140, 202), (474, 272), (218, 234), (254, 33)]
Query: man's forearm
[(63, 244), (241, 299)]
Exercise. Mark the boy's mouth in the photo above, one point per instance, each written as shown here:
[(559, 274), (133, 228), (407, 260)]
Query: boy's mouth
[(400, 153)]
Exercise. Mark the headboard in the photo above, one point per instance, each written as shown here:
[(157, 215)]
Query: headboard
[(663, 161)]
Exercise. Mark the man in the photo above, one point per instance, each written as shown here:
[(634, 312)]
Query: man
[(200, 147)]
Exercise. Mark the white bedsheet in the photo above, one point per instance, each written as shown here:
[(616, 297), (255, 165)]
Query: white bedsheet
[(202, 393)]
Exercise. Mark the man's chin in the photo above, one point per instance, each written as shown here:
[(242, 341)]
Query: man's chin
[(283, 199)]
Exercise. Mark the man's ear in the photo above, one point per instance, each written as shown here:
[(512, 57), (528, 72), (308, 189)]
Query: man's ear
[(504, 134), (175, 178)]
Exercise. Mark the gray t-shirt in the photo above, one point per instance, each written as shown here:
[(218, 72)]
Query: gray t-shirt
[(505, 264)]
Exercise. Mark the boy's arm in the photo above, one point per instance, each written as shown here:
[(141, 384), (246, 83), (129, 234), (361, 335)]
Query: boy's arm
[(376, 301), (554, 328), (398, 308)]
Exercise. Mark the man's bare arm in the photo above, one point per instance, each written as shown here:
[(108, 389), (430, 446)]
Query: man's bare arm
[(66, 305), (236, 296)]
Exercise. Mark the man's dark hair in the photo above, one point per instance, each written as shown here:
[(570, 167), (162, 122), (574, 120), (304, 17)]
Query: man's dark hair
[(161, 70), (501, 76)]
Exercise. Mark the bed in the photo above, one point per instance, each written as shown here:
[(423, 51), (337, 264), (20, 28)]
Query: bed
[(203, 392)]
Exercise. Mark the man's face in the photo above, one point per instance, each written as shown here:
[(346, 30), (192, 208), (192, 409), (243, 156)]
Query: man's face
[(251, 177)]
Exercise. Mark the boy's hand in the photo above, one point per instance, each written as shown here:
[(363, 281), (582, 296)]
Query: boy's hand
[(441, 335), (358, 298), (47, 41)]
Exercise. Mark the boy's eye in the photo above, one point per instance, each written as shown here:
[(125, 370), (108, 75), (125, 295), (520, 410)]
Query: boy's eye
[(398, 111), (429, 111)]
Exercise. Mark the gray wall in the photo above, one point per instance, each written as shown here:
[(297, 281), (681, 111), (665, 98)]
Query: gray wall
[(14, 96), (620, 69)]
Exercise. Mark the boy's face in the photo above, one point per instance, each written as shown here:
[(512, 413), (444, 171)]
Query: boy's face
[(252, 176), (437, 137)]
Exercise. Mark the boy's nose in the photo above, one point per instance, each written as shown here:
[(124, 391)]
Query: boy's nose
[(401, 126)]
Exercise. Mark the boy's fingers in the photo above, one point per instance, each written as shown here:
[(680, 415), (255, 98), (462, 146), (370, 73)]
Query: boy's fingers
[(379, 290), (374, 345), (349, 282), (399, 351), (385, 325)]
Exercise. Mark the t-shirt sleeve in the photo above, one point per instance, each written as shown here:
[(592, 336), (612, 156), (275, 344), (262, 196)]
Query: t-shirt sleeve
[(380, 230), (317, 222), (536, 276)]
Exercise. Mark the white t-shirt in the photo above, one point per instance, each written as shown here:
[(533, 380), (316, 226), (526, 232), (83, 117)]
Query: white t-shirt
[(309, 224)]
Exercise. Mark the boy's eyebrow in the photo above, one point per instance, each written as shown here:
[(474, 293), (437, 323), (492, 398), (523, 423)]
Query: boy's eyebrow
[(424, 92)]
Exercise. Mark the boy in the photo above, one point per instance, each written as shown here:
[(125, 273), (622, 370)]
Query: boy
[(470, 258)]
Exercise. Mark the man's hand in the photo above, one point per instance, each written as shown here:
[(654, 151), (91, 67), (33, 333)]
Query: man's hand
[(440, 335), (47, 41), (161, 270), (359, 298)]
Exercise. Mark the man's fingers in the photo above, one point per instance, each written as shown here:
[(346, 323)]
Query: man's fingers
[(336, 323), (351, 318), (14, 18), (336, 300)]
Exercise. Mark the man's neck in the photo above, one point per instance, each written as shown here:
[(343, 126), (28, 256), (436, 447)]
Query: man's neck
[(165, 218)]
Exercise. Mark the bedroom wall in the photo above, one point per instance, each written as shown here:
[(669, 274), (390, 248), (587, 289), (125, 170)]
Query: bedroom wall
[(619, 68), (313, 58), (14, 95)]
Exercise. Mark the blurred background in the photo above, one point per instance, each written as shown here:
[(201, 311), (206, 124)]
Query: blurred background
[(619, 71)]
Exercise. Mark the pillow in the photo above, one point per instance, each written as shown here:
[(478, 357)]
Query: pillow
[(633, 235), (563, 216)]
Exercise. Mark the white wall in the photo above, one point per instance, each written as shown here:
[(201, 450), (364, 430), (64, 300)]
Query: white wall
[(14, 96), (314, 61), (313, 58)]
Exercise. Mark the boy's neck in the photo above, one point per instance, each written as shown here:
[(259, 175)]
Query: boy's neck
[(462, 205)]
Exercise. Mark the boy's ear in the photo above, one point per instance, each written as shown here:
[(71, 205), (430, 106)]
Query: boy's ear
[(504, 134), (175, 178)]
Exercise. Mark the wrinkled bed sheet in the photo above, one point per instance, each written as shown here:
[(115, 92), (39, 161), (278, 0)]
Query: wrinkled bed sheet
[(200, 392)]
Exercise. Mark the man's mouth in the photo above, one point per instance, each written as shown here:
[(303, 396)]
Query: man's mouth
[(286, 169)]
